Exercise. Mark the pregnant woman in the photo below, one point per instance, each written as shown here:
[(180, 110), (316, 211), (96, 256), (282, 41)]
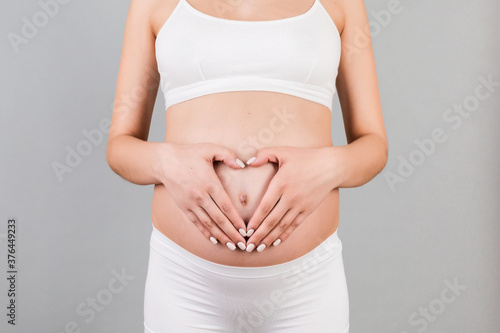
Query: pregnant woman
[(246, 182)]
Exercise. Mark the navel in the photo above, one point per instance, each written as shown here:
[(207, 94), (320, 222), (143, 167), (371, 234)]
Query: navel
[(243, 199)]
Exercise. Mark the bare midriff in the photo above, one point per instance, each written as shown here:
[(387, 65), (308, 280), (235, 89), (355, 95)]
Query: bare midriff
[(245, 121)]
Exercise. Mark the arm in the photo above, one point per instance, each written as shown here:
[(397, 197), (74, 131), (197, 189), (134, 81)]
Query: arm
[(366, 153), (292, 194), (186, 170), (128, 152)]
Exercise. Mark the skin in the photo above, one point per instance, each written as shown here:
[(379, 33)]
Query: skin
[(200, 191)]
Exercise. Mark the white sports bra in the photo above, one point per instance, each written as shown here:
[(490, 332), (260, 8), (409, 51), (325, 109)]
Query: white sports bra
[(199, 54)]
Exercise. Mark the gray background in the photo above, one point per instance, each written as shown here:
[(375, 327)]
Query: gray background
[(402, 244)]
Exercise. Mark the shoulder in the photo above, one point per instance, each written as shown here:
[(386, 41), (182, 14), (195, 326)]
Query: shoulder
[(345, 12), (152, 12), (161, 11)]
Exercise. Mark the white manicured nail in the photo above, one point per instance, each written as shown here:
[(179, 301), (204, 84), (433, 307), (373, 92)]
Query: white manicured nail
[(250, 247), (231, 246), (240, 163), (241, 245), (277, 242), (261, 247), (250, 232), (242, 232), (213, 240), (251, 160)]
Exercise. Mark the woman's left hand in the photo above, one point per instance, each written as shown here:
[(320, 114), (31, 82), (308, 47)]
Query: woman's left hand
[(304, 179)]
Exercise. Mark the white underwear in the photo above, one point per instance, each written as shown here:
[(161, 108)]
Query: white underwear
[(188, 294)]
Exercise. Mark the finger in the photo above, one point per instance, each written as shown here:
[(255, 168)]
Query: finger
[(267, 225), (227, 208), (218, 210), (208, 235), (224, 224), (278, 235), (209, 224), (226, 156), (268, 202), (291, 228)]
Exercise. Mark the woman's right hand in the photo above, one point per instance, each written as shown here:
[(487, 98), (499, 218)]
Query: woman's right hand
[(188, 174)]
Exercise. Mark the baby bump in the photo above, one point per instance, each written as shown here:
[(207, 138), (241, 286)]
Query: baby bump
[(245, 187)]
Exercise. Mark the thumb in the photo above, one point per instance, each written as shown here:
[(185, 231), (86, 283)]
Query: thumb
[(269, 154), (226, 156)]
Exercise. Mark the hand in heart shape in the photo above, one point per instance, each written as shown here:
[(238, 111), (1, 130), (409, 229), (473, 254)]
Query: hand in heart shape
[(277, 190)]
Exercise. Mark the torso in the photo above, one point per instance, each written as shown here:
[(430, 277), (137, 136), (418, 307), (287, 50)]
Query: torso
[(244, 121)]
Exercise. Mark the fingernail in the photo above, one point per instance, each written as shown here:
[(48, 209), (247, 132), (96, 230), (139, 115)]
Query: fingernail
[(277, 242), (250, 232), (243, 232), (213, 240), (240, 163), (241, 245), (251, 160), (231, 246), (250, 247), (261, 247)]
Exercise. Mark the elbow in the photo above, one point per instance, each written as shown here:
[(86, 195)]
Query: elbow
[(384, 152), (110, 158)]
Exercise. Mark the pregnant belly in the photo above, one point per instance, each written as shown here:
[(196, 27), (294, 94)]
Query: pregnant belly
[(244, 122), (245, 187)]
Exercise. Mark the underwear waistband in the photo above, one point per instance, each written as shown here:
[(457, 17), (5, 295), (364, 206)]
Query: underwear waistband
[(330, 249)]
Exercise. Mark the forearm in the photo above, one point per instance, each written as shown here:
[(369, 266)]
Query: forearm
[(134, 159), (360, 161)]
